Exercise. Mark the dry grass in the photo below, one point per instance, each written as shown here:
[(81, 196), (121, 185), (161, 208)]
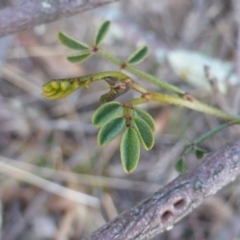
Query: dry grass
[(56, 182)]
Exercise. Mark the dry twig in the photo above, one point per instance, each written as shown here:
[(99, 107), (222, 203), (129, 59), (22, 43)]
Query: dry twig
[(49, 186), (164, 208), (34, 12)]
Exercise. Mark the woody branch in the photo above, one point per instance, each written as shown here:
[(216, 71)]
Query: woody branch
[(164, 208), (34, 12)]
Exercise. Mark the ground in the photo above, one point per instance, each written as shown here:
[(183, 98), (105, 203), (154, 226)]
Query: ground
[(54, 142)]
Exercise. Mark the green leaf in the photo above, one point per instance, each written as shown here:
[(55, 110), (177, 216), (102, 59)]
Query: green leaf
[(110, 130), (145, 133), (71, 42), (102, 32), (199, 152), (130, 150), (180, 165), (106, 112), (138, 55), (79, 57), (145, 116)]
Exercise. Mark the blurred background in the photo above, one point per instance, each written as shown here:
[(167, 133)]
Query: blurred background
[(56, 182)]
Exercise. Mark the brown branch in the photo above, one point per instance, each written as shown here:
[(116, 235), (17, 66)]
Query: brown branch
[(27, 15), (164, 208)]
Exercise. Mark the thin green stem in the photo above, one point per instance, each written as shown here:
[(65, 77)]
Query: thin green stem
[(208, 135), (192, 104), (160, 83), (139, 73), (137, 87), (91, 77), (159, 97), (137, 101), (101, 76), (110, 57)]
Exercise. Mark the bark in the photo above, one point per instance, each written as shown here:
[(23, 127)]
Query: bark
[(164, 208), (27, 15)]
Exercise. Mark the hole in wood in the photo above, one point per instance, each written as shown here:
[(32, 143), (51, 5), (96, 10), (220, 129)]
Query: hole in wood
[(166, 216), (179, 204)]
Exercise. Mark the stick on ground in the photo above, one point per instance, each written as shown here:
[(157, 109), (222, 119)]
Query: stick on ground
[(34, 12), (164, 208)]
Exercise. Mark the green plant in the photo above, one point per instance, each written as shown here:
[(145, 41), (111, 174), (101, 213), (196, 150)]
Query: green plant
[(113, 117)]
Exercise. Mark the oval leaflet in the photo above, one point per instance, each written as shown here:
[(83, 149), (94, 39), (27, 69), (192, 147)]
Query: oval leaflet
[(140, 113), (130, 150), (71, 42), (110, 130), (138, 55), (144, 133), (106, 112)]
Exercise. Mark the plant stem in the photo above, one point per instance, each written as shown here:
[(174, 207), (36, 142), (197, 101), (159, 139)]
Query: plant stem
[(139, 73), (160, 83), (101, 76), (193, 104), (208, 135), (110, 57), (137, 101), (164, 98), (214, 131)]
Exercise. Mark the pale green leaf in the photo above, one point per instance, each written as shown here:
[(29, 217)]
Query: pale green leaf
[(79, 57), (71, 42), (102, 32), (138, 55)]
